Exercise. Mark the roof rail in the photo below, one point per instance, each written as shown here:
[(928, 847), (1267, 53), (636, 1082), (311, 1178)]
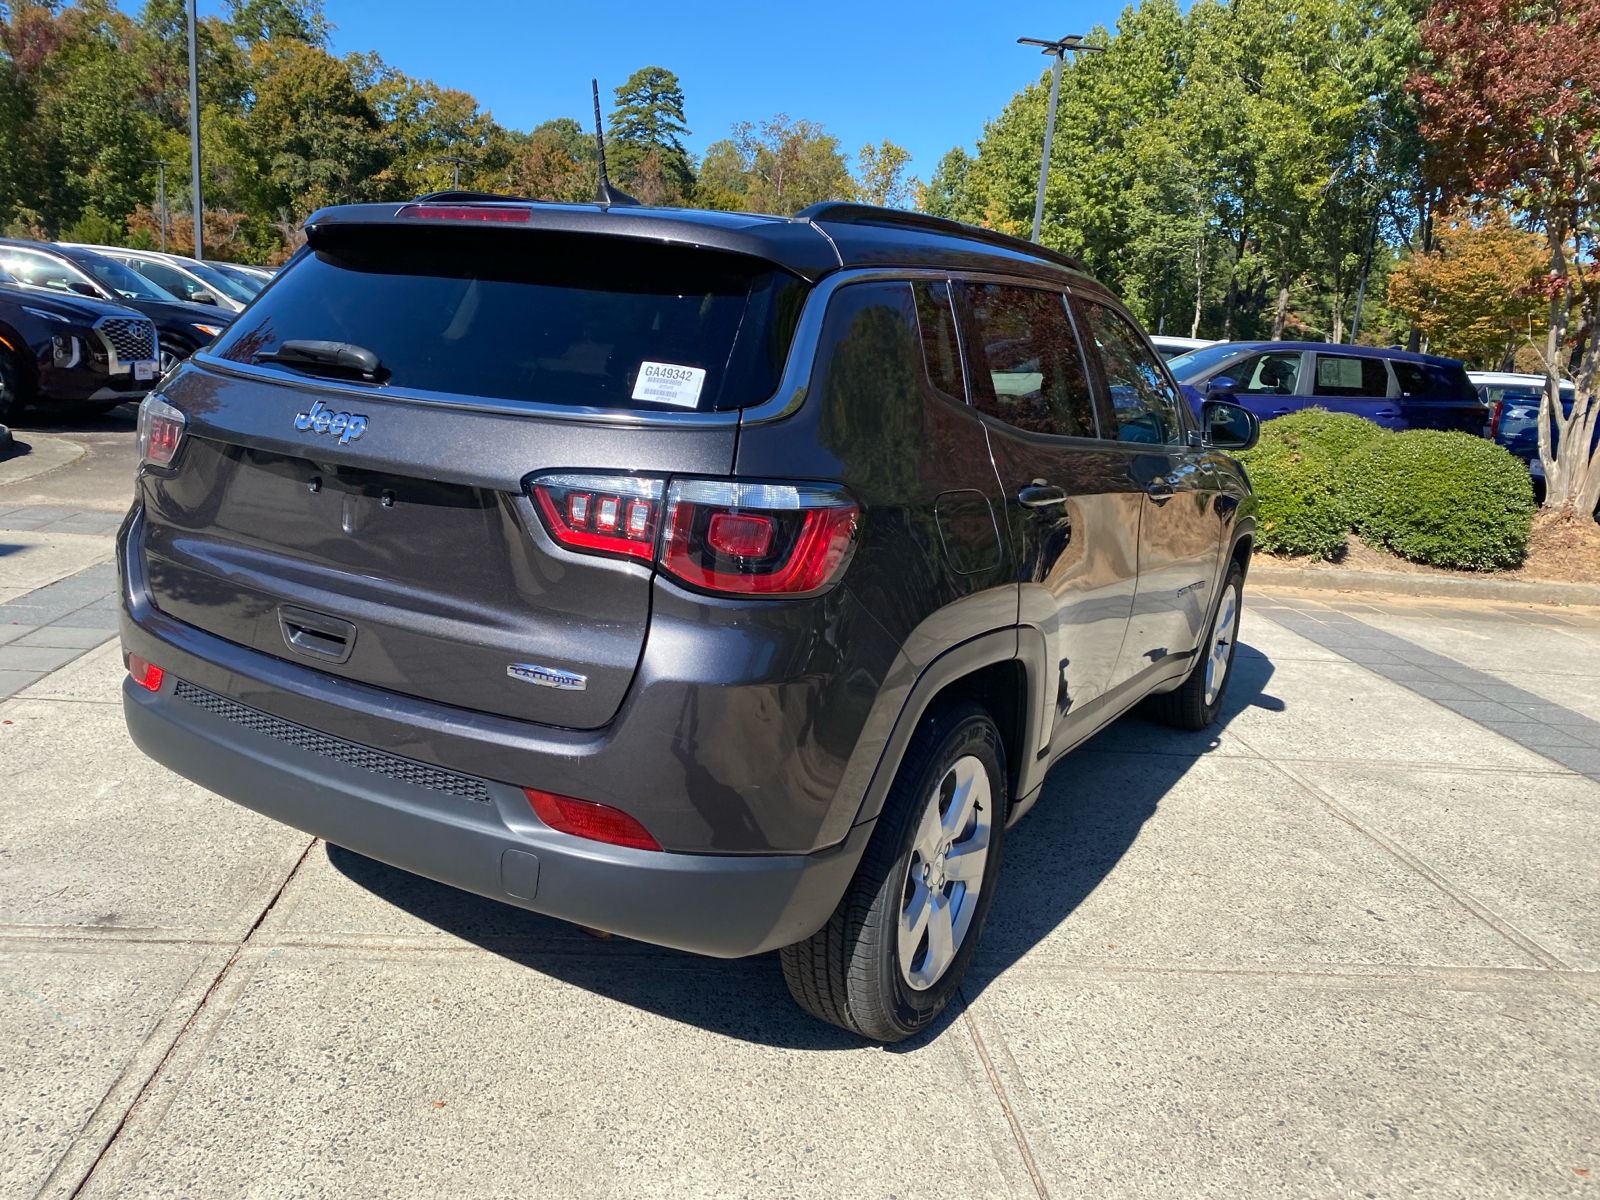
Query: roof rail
[(461, 197), (844, 213)]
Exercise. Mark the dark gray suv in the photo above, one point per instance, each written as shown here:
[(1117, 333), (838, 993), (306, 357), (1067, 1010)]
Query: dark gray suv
[(727, 582)]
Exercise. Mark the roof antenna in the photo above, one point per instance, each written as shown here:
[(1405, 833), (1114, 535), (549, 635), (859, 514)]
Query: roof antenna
[(604, 194)]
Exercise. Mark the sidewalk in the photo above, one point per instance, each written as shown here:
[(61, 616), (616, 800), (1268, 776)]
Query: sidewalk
[(1348, 944)]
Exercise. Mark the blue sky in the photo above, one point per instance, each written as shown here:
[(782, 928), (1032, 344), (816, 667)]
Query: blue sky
[(925, 75)]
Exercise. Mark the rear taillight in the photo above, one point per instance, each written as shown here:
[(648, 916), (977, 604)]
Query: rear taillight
[(465, 212), (588, 819), (160, 431), (611, 514), (1494, 419), (146, 674), (717, 535), (765, 539)]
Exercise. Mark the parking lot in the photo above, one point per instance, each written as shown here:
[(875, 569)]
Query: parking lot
[(1346, 945)]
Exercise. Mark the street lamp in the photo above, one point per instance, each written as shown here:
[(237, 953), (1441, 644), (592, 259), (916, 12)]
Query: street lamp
[(1058, 49), (194, 135), (161, 165), (456, 163)]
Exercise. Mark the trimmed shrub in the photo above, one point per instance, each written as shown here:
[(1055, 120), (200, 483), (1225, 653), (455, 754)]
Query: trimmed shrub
[(1298, 491), (1335, 436), (1445, 499)]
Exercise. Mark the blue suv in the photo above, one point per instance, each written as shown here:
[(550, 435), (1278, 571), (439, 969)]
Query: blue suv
[(1392, 388)]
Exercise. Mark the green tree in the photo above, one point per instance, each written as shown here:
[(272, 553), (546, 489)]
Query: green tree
[(644, 145), (881, 175), (779, 166)]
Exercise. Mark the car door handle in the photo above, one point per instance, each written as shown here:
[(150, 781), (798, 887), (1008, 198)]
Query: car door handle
[(1282, 412), (1160, 489), (1041, 495)]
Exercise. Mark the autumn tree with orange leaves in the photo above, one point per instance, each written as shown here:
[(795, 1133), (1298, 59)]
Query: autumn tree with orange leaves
[(1511, 104)]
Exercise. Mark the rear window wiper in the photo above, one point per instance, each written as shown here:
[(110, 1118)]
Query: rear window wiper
[(327, 358)]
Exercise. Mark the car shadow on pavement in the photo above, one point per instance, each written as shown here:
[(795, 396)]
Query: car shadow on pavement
[(1093, 807)]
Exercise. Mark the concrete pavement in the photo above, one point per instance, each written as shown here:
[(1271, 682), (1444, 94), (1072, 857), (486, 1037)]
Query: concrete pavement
[(1348, 944)]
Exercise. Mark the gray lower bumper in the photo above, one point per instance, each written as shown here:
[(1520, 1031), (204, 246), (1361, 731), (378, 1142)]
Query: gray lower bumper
[(726, 906)]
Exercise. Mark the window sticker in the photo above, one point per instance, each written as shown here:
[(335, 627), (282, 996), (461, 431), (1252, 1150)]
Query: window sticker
[(1342, 373), (664, 383)]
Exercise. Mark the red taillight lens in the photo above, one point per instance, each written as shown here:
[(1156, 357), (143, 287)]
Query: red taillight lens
[(161, 429), (739, 535), (1494, 419), (146, 674), (465, 212), (614, 514), (587, 819), (764, 539)]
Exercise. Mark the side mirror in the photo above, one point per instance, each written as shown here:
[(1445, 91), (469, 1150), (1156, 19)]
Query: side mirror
[(85, 289), (202, 298), (1221, 386), (1229, 426)]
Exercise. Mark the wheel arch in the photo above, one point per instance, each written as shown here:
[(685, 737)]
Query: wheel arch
[(1003, 671)]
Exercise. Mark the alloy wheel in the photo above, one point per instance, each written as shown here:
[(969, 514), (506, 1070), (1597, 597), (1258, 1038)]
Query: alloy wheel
[(944, 873), (1222, 636)]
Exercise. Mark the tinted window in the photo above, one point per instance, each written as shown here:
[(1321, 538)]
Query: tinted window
[(1143, 402), (939, 348), (547, 318), (1026, 366), (1276, 373), (1413, 379), (167, 277), (1345, 375), (124, 282)]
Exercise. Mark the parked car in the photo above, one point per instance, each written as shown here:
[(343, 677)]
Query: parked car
[(65, 349), (1513, 402), (727, 582), (1170, 347), (188, 280), (250, 280), (1391, 387), (180, 328)]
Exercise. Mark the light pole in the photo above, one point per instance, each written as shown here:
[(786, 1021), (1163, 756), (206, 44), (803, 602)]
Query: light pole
[(194, 136), (456, 163), (161, 165), (1058, 49)]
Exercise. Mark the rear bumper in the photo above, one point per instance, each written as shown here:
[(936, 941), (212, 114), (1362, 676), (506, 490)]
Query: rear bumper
[(721, 905)]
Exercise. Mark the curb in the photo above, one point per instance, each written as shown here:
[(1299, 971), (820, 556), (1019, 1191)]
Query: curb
[(36, 456), (1447, 587)]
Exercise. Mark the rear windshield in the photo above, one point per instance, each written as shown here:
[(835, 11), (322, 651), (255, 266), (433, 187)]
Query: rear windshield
[(520, 315)]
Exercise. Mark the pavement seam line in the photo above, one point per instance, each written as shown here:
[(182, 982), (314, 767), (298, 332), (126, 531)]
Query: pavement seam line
[(1476, 907), (189, 1023), (1000, 1094)]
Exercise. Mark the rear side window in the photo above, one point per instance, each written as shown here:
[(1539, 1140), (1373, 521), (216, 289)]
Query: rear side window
[(1346, 375), (1276, 373), (555, 319), (1143, 402), (1026, 366), (1413, 379), (937, 319)]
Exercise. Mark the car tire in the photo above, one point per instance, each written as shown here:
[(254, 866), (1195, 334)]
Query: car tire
[(11, 394), (869, 969), (1197, 702), (170, 351)]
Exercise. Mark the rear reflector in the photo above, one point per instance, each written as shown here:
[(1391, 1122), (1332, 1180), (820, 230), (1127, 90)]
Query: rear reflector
[(587, 819), (146, 674), (465, 212)]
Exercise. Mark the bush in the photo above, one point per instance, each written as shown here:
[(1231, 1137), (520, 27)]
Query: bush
[(1445, 499), (1335, 436), (1298, 491)]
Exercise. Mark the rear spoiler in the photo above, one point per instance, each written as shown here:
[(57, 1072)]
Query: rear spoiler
[(797, 246)]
